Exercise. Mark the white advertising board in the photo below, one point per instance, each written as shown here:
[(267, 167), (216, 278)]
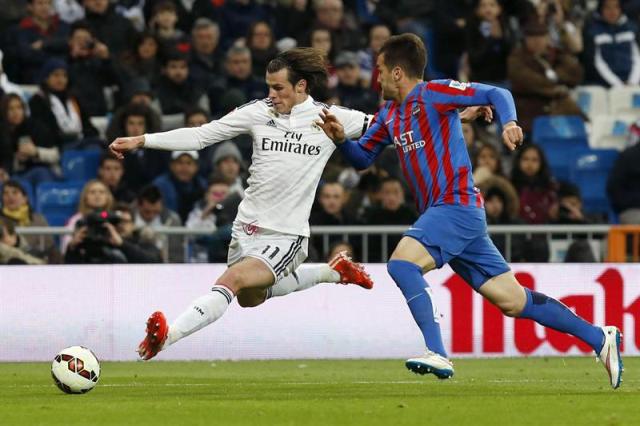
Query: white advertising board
[(104, 307)]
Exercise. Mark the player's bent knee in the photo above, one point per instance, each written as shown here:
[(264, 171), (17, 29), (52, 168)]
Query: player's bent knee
[(231, 279), (511, 308)]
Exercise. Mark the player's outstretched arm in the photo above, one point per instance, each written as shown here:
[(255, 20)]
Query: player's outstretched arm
[(359, 157)]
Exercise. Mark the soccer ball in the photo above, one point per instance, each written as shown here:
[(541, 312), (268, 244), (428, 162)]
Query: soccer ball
[(75, 370)]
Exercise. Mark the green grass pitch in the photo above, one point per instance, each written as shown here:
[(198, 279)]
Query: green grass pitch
[(533, 391)]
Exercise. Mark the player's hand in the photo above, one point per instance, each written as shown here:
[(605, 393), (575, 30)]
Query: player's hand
[(121, 145), (470, 114), (331, 126), (512, 135)]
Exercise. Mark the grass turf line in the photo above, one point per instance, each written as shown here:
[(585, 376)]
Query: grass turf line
[(525, 391)]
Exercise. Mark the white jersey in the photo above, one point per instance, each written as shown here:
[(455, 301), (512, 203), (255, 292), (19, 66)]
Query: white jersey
[(289, 155)]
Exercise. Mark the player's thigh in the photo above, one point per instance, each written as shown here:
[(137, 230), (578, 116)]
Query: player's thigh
[(506, 293), (248, 273), (411, 250)]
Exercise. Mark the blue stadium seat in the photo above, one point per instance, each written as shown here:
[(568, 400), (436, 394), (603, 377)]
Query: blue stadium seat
[(561, 138), (80, 165), (58, 201), (589, 171)]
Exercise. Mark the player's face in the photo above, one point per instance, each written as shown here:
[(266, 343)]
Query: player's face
[(282, 93), (111, 172), (12, 198), (385, 79)]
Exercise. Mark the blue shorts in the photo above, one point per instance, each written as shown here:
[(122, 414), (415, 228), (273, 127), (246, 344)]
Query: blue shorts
[(457, 235)]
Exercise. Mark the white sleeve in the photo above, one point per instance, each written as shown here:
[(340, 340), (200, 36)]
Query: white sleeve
[(235, 123), (355, 122)]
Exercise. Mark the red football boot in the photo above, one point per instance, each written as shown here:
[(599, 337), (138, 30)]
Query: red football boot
[(350, 272), (157, 331)]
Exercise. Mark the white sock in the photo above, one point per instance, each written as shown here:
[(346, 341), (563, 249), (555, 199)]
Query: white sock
[(306, 276), (202, 312)]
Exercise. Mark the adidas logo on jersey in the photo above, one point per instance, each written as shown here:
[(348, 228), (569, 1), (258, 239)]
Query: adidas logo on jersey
[(271, 123)]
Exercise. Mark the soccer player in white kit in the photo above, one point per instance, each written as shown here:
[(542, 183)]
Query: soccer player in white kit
[(270, 234)]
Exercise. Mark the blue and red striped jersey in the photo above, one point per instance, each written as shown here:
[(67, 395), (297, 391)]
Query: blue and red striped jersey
[(427, 134)]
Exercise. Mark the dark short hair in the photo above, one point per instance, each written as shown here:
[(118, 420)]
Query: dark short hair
[(189, 112), (150, 194), (11, 183), (123, 207), (302, 63), (174, 56), (391, 179), (106, 157), (81, 25), (406, 51)]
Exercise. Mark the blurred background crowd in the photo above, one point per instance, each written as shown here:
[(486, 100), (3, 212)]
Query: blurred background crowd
[(75, 74)]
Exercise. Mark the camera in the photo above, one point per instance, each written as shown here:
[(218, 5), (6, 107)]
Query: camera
[(96, 231)]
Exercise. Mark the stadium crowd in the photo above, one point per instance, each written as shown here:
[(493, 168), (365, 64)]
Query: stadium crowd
[(105, 69)]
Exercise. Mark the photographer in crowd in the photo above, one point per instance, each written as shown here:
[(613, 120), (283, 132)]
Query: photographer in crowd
[(109, 237)]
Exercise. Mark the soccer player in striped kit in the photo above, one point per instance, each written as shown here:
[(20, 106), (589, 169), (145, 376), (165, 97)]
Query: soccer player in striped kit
[(421, 120)]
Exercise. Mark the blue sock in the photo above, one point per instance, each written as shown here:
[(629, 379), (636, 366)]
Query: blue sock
[(409, 279), (553, 314)]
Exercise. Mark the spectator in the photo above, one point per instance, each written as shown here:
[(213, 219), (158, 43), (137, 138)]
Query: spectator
[(150, 214), (564, 34), (238, 83), (17, 209), (261, 42), (570, 212), (623, 185), (163, 25), (487, 157), (205, 216), (331, 209), (176, 91), (536, 188), (205, 60), (137, 246), (367, 57), (108, 26), (227, 162), (133, 119), (351, 88), (142, 62), (110, 173), (330, 16), (487, 174), (59, 111), (541, 76), (95, 196), (195, 117), (237, 16), (321, 39), (13, 250), (91, 70), (339, 247), (133, 10), (450, 30), (181, 187), (392, 210), (611, 53), (471, 138), (7, 86), (489, 42), (29, 151), (40, 36)]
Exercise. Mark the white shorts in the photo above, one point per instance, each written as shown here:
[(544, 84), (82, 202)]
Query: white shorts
[(282, 253)]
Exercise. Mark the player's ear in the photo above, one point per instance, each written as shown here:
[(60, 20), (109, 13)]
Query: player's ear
[(397, 74), (301, 86)]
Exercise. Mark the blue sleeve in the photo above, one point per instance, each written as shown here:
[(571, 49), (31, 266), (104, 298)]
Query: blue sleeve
[(362, 154), (357, 155), (448, 95)]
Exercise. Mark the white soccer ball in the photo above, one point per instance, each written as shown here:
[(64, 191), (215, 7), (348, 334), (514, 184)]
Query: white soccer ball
[(75, 370)]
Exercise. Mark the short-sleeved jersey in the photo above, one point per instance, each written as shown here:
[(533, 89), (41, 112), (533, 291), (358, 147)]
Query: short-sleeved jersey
[(427, 134), (289, 155)]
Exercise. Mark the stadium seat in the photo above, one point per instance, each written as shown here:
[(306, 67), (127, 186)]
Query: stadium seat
[(561, 138), (58, 201), (593, 100), (80, 165), (101, 124), (589, 171), (172, 121), (610, 132), (624, 100)]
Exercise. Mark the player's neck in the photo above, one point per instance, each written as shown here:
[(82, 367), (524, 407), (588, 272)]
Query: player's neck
[(406, 88), (300, 99)]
